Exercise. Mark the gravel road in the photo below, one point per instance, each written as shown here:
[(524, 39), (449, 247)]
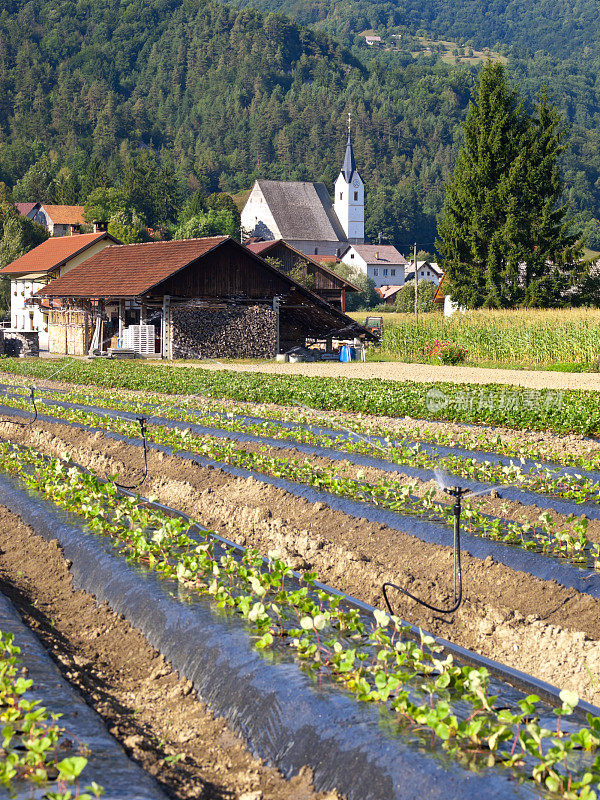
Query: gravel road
[(396, 371)]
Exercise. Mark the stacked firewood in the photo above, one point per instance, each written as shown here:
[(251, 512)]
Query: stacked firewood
[(223, 332)]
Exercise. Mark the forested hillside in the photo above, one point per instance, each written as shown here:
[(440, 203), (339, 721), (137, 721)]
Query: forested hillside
[(205, 96), (560, 27)]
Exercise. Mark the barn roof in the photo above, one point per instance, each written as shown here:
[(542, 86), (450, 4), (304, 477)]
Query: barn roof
[(133, 270), (302, 210), (53, 253), (130, 270)]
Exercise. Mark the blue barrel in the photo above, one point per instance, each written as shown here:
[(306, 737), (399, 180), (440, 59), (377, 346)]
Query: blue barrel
[(346, 353)]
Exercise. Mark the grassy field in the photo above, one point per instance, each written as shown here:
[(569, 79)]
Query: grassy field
[(528, 337)]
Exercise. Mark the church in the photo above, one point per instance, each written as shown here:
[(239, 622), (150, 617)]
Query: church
[(302, 213)]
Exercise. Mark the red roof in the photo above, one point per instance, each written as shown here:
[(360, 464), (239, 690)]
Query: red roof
[(65, 215), (326, 259), (53, 253), (259, 247), (25, 208), (129, 270), (388, 291)]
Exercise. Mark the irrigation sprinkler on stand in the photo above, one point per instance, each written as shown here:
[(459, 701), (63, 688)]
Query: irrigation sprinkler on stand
[(457, 492), (142, 423), (35, 411)]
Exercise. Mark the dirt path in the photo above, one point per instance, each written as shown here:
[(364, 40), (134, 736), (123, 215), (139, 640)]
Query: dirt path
[(425, 373), (147, 707), (533, 625)]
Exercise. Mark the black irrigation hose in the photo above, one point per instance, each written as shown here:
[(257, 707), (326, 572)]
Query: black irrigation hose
[(35, 415), (142, 422), (457, 493)]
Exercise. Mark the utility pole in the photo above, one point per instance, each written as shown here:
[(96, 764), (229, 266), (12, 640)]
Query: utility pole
[(416, 284)]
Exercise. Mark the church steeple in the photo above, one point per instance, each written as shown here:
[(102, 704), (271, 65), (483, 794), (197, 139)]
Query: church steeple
[(349, 165), (349, 201)]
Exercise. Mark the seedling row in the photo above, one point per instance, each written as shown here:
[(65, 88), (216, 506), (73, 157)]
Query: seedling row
[(438, 703), (565, 412), (32, 738), (567, 541)]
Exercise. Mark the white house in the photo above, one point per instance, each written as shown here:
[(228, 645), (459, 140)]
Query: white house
[(54, 257), (381, 262), (301, 212), (60, 220), (428, 271)]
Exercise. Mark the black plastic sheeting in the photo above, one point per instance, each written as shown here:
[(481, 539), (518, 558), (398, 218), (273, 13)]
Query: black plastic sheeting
[(525, 683), (285, 718), (108, 764), (561, 506), (532, 563)]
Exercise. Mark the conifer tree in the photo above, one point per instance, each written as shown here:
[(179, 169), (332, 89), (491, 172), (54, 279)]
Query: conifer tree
[(503, 235)]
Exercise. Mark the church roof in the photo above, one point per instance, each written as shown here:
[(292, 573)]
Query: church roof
[(302, 211), (349, 165)]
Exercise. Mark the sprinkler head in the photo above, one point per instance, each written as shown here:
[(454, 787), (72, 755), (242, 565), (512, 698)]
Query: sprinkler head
[(456, 491)]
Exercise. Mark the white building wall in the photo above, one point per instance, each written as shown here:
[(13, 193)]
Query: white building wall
[(29, 317), (256, 217), (349, 206), (382, 273), (317, 248)]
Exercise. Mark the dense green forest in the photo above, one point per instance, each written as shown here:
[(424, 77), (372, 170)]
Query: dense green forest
[(167, 97), (558, 27)]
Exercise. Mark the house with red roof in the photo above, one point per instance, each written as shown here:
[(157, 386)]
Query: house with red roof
[(383, 263), (29, 273), (192, 298), (60, 220)]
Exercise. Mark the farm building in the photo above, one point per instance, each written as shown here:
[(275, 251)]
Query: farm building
[(316, 276), (190, 298), (32, 271)]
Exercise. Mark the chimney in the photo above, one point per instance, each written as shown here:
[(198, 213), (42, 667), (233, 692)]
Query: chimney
[(377, 255)]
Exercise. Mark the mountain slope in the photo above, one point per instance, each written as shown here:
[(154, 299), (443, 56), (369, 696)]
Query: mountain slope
[(225, 96)]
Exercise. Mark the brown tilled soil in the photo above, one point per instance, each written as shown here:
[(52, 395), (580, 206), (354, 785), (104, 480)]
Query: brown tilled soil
[(154, 713), (533, 625)]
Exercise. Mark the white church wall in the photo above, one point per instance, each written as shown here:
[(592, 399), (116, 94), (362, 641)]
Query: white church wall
[(349, 206), (256, 217), (316, 248)]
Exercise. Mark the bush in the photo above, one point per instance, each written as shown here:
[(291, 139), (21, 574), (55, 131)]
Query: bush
[(446, 352)]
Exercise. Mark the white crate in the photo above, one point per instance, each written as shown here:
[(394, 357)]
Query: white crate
[(139, 338)]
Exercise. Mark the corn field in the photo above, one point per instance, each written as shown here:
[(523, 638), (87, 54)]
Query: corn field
[(543, 337)]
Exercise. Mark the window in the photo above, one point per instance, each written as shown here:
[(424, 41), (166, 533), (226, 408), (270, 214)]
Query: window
[(375, 271), (393, 272), (355, 196), (428, 273), (316, 251), (351, 255), (341, 195), (385, 271)]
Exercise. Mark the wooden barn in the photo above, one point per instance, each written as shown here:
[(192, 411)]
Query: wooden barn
[(322, 281), (194, 298)]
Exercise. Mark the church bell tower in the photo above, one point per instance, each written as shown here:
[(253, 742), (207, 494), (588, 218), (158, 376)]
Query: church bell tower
[(349, 203)]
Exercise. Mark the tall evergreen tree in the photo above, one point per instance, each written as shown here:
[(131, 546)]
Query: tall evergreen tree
[(503, 236)]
